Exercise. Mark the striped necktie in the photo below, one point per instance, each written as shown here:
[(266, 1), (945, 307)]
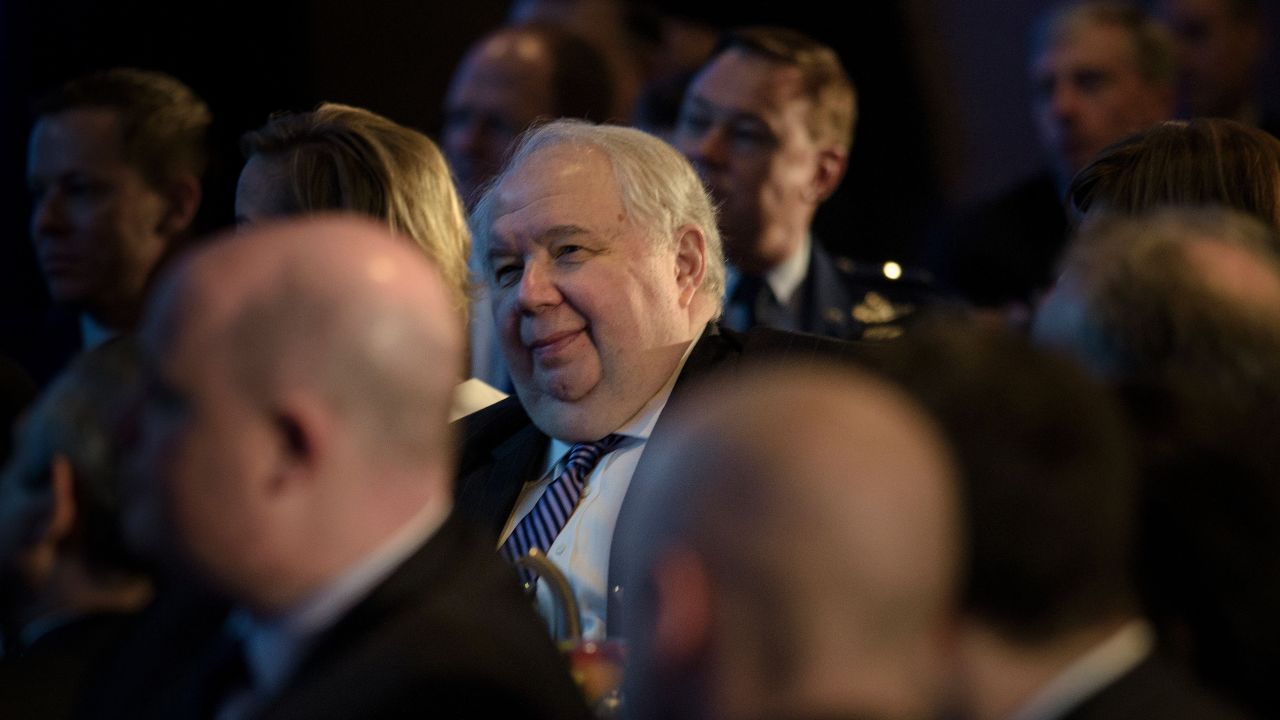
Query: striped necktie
[(539, 528)]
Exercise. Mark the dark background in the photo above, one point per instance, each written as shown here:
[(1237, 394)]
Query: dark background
[(942, 85)]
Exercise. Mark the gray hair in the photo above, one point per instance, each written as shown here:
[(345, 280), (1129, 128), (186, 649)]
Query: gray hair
[(79, 416), (659, 188), (1147, 307)]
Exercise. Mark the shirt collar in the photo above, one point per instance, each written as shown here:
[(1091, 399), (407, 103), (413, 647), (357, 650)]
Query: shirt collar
[(784, 278), (274, 645), (640, 425), (94, 333), (1090, 673)]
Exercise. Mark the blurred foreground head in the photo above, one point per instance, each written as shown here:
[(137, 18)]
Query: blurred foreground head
[(62, 552), (1181, 311), (795, 553), (299, 381)]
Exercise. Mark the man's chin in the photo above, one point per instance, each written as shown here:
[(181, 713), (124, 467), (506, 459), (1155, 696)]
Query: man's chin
[(564, 413)]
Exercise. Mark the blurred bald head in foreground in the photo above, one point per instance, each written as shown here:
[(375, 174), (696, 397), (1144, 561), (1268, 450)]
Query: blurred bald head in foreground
[(296, 445), (833, 599), (301, 379)]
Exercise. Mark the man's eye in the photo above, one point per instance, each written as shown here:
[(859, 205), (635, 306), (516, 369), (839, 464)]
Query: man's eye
[(1091, 81), (569, 252), (750, 135), (506, 275), (693, 123)]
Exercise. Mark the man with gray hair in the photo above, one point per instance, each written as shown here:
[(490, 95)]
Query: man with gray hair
[(605, 269), (69, 585), (838, 598)]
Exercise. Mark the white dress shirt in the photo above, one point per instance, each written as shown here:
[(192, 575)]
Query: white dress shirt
[(1089, 674), (581, 550)]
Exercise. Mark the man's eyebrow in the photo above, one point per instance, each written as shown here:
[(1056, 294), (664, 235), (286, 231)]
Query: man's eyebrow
[(724, 113), (551, 234), (560, 232)]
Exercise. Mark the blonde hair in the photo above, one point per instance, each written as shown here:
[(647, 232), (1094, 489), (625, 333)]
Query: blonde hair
[(339, 157)]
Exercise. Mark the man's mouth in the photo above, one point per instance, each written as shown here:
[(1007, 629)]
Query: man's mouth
[(548, 346)]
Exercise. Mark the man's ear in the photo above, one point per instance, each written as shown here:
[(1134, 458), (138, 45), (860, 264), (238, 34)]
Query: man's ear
[(302, 438), (682, 617), (61, 524), (827, 174), (691, 262), (182, 194)]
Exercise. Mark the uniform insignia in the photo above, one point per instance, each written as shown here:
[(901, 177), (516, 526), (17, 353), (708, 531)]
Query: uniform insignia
[(875, 309)]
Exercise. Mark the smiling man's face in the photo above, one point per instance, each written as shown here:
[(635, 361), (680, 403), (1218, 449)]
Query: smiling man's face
[(592, 311)]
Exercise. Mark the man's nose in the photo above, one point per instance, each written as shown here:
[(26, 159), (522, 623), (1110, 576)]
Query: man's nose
[(537, 287), (708, 147), (48, 214), (1065, 102)]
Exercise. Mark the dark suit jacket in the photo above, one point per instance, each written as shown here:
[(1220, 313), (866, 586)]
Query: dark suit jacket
[(1154, 690), (43, 681), (502, 449), (448, 634)]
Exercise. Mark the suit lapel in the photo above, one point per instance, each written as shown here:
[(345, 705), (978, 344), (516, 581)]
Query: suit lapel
[(488, 494)]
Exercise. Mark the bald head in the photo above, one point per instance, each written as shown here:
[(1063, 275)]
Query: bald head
[(509, 80), (300, 365), (823, 510)]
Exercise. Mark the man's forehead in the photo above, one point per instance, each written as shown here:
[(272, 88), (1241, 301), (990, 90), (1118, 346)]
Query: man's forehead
[(1088, 42), (556, 187), (91, 133), (740, 80), (518, 65)]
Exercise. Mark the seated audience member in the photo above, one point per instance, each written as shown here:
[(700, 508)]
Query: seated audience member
[(1184, 162), (1100, 71), (296, 451), (1180, 309), (796, 554), (70, 585), (1051, 624), (604, 264), (114, 167), (768, 123), (510, 79), (344, 158), (1222, 45)]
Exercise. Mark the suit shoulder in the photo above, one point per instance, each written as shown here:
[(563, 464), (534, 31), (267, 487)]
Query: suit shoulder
[(481, 431)]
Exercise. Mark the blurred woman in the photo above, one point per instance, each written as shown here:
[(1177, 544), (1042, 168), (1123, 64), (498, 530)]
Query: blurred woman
[(339, 157), (1206, 161)]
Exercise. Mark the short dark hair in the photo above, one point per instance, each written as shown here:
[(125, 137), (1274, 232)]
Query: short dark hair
[(826, 83), (1048, 477), (164, 124), (1205, 161)]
